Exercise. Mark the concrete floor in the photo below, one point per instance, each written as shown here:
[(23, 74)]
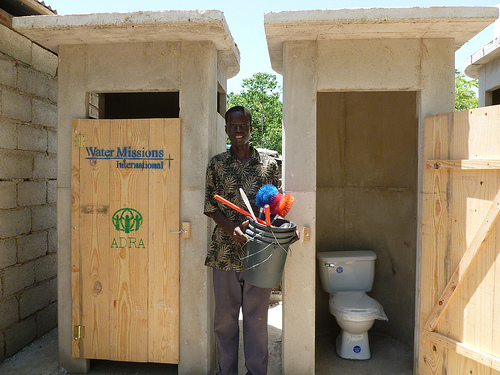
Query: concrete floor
[(389, 357)]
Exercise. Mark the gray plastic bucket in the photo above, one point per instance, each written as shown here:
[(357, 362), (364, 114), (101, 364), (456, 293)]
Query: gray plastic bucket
[(266, 252)]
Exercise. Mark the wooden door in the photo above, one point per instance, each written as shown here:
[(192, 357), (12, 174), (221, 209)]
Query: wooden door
[(460, 263), (125, 249)]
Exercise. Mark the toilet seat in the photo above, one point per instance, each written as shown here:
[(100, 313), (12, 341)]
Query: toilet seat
[(355, 306)]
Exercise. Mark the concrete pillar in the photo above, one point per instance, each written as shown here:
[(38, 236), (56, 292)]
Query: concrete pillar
[(71, 105), (299, 177), (198, 101)]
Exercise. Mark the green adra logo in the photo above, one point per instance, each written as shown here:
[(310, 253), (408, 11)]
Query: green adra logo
[(127, 220)]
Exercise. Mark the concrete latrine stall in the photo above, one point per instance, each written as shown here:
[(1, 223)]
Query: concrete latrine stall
[(358, 85), (140, 111)]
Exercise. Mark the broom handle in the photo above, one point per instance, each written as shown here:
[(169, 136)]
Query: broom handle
[(235, 207)]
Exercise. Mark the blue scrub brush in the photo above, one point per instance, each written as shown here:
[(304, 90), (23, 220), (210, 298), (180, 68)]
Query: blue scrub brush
[(265, 195)]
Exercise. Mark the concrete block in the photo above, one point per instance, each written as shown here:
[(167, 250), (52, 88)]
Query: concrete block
[(32, 246), (46, 319), (52, 191), (31, 193), (7, 194), (52, 141), (33, 300), (20, 336), (17, 278), (2, 347), (52, 290), (8, 71), (15, 45), (8, 135), (15, 164), (15, 222), (45, 167), (44, 217), (44, 113), (43, 60), (52, 240), (9, 311), (46, 267), (32, 139), (8, 253), (15, 105)]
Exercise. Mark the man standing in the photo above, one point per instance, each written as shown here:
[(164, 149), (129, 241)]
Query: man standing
[(244, 167)]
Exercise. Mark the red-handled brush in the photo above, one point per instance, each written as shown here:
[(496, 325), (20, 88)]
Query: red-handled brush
[(235, 207), (267, 210)]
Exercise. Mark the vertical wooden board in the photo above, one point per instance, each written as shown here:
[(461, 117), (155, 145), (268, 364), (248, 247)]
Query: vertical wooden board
[(431, 358), (76, 295), (495, 243), (164, 252), (435, 224), (129, 189), (484, 134), (94, 240)]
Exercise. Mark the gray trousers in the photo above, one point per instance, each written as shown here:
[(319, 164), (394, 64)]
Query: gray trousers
[(232, 292)]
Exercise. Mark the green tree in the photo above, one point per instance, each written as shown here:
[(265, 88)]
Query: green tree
[(465, 92), (261, 95)]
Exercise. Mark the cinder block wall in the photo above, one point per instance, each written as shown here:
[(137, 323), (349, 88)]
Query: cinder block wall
[(28, 189)]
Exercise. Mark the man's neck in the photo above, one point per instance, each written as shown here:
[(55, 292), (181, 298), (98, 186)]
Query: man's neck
[(242, 153)]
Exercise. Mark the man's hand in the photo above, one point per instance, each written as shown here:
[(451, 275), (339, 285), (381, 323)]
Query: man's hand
[(234, 229), (238, 232)]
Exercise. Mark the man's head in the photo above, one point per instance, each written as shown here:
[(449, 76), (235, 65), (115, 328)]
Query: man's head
[(238, 125)]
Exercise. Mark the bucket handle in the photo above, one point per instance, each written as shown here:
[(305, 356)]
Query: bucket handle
[(265, 260)]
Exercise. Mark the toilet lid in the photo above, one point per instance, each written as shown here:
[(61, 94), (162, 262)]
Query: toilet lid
[(355, 306)]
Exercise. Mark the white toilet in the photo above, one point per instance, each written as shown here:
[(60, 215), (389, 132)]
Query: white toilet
[(347, 276)]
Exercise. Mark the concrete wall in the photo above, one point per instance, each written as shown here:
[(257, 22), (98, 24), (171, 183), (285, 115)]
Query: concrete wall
[(425, 68), (28, 237), (193, 69), (367, 195)]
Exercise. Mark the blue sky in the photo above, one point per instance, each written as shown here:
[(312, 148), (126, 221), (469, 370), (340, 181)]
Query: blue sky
[(246, 21)]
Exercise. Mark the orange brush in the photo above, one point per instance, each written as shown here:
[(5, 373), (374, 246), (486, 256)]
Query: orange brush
[(285, 205), (235, 207)]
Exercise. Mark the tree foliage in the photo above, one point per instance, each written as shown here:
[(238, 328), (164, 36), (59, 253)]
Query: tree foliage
[(465, 92), (261, 95)]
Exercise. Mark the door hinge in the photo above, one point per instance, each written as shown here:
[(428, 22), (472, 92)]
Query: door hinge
[(78, 332), (79, 140)]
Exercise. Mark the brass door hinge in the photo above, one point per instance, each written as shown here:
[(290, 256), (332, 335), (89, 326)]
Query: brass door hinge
[(78, 332), (79, 140)]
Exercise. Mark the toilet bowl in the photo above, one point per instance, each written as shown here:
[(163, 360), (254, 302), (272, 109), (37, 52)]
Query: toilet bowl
[(347, 276), (355, 313)]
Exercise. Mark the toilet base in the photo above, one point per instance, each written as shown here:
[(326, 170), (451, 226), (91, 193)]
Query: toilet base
[(351, 346)]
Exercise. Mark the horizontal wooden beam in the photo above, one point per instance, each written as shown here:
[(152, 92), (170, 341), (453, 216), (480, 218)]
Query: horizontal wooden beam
[(36, 6), (464, 349), (463, 164)]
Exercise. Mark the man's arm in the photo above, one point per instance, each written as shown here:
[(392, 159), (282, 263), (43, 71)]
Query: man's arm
[(234, 229)]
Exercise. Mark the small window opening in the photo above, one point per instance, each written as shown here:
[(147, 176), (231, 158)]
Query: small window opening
[(134, 105), (495, 97), (221, 100)]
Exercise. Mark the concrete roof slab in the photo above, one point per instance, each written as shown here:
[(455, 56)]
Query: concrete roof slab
[(483, 56), (158, 26), (459, 23)]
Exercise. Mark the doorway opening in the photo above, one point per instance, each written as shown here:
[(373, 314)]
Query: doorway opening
[(366, 199)]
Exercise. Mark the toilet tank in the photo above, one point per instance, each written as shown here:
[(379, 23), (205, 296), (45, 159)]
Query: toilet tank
[(342, 271)]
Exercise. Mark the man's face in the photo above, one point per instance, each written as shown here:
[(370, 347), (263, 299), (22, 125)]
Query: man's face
[(238, 128)]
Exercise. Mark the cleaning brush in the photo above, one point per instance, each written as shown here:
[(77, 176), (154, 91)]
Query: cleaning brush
[(285, 205), (276, 199), (265, 195)]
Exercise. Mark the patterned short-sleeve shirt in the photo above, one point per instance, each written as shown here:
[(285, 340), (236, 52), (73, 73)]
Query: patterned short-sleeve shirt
[(225, 176)]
